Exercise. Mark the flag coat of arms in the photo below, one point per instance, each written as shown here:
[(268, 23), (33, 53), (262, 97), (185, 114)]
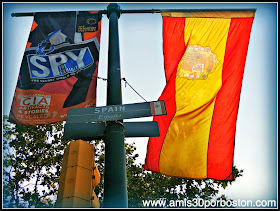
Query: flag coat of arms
[(204, 59), (59, 67)]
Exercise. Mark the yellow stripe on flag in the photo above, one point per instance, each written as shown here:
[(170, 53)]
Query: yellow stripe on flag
[(198, 80)]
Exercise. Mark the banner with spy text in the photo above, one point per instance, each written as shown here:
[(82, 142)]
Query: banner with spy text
[(59, 67)]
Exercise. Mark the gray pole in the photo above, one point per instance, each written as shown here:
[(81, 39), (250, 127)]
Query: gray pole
[(115, 187)]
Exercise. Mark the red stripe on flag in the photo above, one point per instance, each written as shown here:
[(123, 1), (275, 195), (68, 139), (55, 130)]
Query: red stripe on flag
[(222, 133), (173, 50), (173, 43), (155, 143)]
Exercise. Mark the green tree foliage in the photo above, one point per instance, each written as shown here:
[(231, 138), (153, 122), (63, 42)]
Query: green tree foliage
[(32, 158)]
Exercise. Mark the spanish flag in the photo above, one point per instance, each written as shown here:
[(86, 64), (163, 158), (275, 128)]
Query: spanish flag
[(204, 59)]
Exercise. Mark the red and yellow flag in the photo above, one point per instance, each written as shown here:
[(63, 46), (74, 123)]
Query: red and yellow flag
[(204, 58)]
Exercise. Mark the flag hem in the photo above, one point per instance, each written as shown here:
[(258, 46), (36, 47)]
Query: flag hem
[(211, 14)]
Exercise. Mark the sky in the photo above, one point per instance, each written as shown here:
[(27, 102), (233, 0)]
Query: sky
[(141, 61)]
